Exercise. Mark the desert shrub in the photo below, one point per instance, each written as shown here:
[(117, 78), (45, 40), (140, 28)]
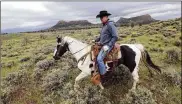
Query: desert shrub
[(13, 86), (127, 32), (166, 23), (177, 43), (37, 57), (153, 49), (172, 55), (166, 40), (72, 32), (132, 41), (135, 35), (153, 40), (12, 54), (25, 41), (180, 37), (118, 83), (42, 36), (122, 35), (90, 95), (26, 66), (132, 24), (172, 78), (37, 75), (152, 32), (47, 50), (140, 24), (67, 62), (9, 64), (89, 33), (140, 96), (15, 78), (3, 54), (168, 33), (45, 64), (24, 59), (54, 81)]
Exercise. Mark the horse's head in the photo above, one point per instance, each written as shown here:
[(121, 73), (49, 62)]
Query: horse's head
[(60, 49)]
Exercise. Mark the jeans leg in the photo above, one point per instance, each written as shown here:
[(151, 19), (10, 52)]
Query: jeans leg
[(100, 61)]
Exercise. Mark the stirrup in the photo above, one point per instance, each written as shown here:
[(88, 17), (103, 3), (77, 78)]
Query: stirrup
[(96, 80)]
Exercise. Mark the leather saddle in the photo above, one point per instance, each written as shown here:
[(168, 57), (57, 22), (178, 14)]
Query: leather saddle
[(113, 55)]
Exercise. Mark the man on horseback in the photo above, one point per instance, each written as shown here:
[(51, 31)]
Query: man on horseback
[(107, 39)]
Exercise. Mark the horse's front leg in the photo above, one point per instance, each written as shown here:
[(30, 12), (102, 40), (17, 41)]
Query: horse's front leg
[(78, 78)]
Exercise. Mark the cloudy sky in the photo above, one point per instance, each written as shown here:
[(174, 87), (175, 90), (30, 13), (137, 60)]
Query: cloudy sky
[(25, 16)]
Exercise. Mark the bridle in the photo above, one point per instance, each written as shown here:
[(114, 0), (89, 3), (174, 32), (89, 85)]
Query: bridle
[(78, 50)]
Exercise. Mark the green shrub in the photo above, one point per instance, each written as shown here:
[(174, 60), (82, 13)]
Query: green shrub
[(25, 41), (24, 59), (37, 57), (54, 81), (173, 79), (45, 64), (9, 64), (140, 96), (177, 43), (172, 55), (13, 86), (13, 54), (42, 36)]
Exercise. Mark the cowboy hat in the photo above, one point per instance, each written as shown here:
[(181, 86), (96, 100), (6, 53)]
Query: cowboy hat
[(103, 13)]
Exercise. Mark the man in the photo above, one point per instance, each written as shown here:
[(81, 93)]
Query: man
[(107, 39)]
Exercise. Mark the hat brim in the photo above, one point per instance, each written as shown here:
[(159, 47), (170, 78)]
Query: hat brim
[(101, 15)]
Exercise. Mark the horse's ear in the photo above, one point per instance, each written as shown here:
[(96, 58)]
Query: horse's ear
[(57, 36), (59, 39)]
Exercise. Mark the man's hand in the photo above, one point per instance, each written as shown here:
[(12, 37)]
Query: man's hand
[(105, 48), (98, 43), (93, 41)]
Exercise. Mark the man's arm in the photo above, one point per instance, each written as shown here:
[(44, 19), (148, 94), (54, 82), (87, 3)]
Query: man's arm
[(113, 31)]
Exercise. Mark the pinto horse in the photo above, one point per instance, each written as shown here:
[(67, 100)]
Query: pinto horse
[(131, 55)]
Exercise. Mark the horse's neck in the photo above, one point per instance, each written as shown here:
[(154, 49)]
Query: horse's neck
[(77, 48)]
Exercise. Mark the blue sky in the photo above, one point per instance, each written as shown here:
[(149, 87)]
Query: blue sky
[(38, 15)]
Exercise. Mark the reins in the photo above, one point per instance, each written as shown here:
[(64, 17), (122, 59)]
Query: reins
[(84, 56)]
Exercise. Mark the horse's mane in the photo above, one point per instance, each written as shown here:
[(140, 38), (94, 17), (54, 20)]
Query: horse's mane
[(70, 39)]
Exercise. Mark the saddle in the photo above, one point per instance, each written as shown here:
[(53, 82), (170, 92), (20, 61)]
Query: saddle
[(112, 56)]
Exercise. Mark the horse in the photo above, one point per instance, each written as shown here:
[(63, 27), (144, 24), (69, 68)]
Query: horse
[(131, 55)]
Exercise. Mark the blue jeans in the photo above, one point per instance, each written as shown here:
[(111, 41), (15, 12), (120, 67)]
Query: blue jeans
[(100, 60)]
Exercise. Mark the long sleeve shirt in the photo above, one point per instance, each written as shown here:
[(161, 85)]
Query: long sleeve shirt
[(108, 34)]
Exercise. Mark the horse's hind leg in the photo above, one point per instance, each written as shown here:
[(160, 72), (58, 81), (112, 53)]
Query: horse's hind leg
[(78, 78), (135, 78), (135, 71)]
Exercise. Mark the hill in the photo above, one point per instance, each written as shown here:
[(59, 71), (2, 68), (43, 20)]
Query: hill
[(143, 19), (71, 24), (84, 24)]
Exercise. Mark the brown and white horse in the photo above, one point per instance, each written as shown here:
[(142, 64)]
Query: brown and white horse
[(131, 55)]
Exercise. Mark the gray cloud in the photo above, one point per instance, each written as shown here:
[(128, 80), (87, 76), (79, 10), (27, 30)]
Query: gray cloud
[(46, 14)]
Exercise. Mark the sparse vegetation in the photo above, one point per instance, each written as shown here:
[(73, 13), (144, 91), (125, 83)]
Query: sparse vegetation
[(31, 76)]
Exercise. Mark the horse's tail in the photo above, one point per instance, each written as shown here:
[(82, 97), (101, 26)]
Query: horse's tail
[(146, 58)]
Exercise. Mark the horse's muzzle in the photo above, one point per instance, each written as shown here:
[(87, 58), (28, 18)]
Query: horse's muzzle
[(56, 58)]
